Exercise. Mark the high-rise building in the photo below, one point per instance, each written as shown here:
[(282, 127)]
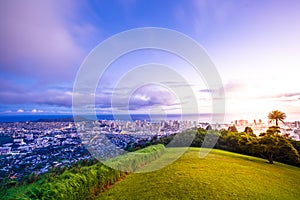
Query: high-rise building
[(297, 124)]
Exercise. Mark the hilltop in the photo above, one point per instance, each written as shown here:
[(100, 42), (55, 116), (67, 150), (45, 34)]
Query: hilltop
[(220, 175)]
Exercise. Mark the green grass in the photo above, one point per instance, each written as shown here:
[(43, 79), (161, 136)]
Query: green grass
[(220, 175), (83, 182)]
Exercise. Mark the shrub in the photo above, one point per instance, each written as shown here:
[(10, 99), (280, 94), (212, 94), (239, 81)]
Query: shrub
[(87, 181)]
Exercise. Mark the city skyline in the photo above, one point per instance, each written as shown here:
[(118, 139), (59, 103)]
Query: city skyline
[(253, 44)]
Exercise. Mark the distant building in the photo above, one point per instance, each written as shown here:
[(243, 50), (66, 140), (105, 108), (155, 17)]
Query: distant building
[(5, 150), (243, 122), (297, 124), (19, 142), (7, 144), (24, 148), (29, 136)]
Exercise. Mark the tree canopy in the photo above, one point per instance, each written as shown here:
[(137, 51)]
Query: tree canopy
[(276, 116), (271, 145)]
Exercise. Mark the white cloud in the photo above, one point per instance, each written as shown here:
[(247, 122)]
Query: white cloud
[(36, 111)]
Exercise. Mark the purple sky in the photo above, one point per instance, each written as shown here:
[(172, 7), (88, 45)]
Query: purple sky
[(255, 46)]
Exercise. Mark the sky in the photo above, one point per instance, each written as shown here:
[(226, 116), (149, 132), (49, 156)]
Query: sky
[(254, 45)]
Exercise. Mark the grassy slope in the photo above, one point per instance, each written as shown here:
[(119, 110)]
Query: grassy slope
[(77, 182), (220, 175)]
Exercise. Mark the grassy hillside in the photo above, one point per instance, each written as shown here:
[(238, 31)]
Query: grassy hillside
[(83, 182), (220, 175)]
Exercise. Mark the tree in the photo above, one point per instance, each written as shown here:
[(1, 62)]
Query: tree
[(208, 128), (271, 130), (273, 146), (296, 144), (199, 138), (229, 140), (232, 128), (249, 131), (248, 142), (276, 116)]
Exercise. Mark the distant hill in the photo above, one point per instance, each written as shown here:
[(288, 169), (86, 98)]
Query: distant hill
[(220, 175)]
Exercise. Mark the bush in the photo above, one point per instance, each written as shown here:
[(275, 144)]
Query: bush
[(86, 182)]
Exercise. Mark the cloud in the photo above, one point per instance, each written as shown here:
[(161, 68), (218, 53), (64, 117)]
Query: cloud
[(235, 86), (147, 97), (285, 97), (288, 97), (20, 111), (49, 97), (36, 111), (292, 94), (42, 46), (39, 38), (143, 98)]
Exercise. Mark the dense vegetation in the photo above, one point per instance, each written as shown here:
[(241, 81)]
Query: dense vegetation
[(83, 182), (220, 175), (270, 145)]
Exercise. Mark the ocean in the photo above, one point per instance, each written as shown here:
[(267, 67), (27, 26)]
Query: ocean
[(204, 117), (24, 118)]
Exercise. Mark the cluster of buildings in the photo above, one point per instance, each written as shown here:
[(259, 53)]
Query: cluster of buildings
[(27, 147), (106, 139), (291, 129)]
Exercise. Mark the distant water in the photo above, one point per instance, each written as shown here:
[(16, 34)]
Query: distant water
[(206, 117), (24, 118)]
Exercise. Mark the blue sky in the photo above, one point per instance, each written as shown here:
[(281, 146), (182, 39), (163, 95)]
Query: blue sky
[(255, 46)]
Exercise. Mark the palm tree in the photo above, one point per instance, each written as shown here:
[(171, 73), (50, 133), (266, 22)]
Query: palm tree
[(276, 116)]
